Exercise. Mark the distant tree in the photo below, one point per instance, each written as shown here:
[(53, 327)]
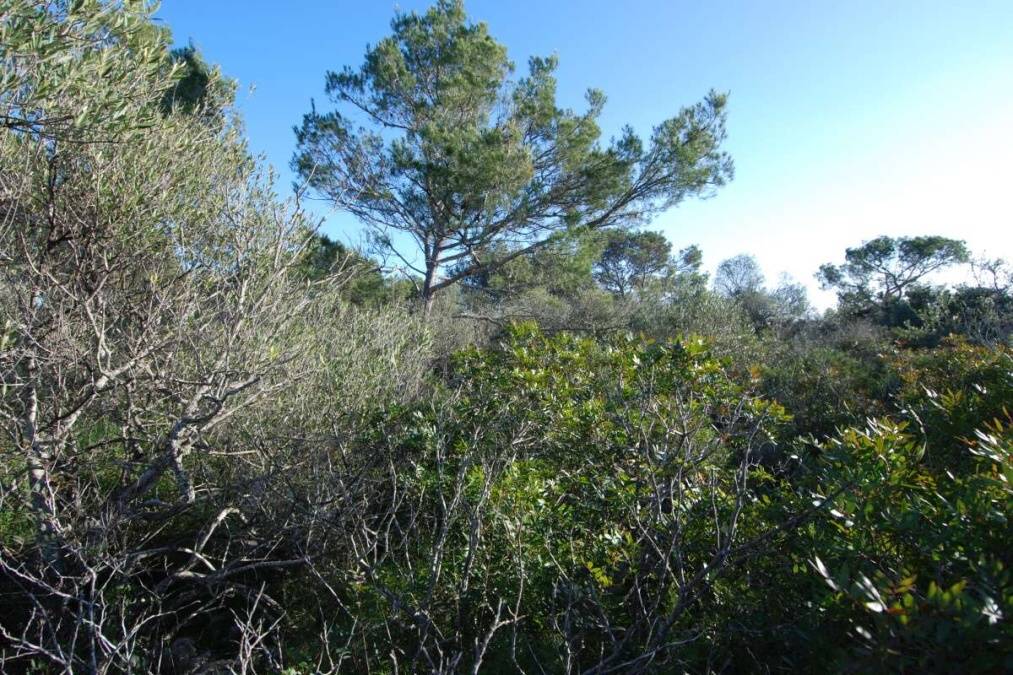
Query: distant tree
[(631, 259), (740, 279), (995, 274), (561, 267), (738, 275), (790, 299), (878, 273), (983, 314), (468, 164), (689, 260)]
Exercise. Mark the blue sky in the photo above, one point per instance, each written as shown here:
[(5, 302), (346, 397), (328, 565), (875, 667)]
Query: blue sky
[(847, 119)]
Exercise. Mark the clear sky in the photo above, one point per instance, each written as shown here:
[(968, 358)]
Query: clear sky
[(847, 119)]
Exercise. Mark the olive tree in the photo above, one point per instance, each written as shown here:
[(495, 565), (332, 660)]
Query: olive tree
[(152, 299)]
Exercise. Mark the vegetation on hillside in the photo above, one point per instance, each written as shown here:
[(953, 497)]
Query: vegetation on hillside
[(231, 444)]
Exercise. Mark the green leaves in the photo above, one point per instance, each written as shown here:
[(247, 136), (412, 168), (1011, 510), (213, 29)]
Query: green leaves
[(919, 571), (880, 272), (584, 461), (90, 71), (469, 163)]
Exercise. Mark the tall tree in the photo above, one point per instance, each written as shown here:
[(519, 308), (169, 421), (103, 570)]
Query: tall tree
[(631, 259), (738, 275), (879, 272), (456, 158)]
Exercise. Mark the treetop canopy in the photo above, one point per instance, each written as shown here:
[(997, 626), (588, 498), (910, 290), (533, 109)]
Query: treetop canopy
[(454, 153)]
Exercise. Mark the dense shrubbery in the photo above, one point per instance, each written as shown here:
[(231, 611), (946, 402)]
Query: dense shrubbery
[(231, 445), (915, 554)]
